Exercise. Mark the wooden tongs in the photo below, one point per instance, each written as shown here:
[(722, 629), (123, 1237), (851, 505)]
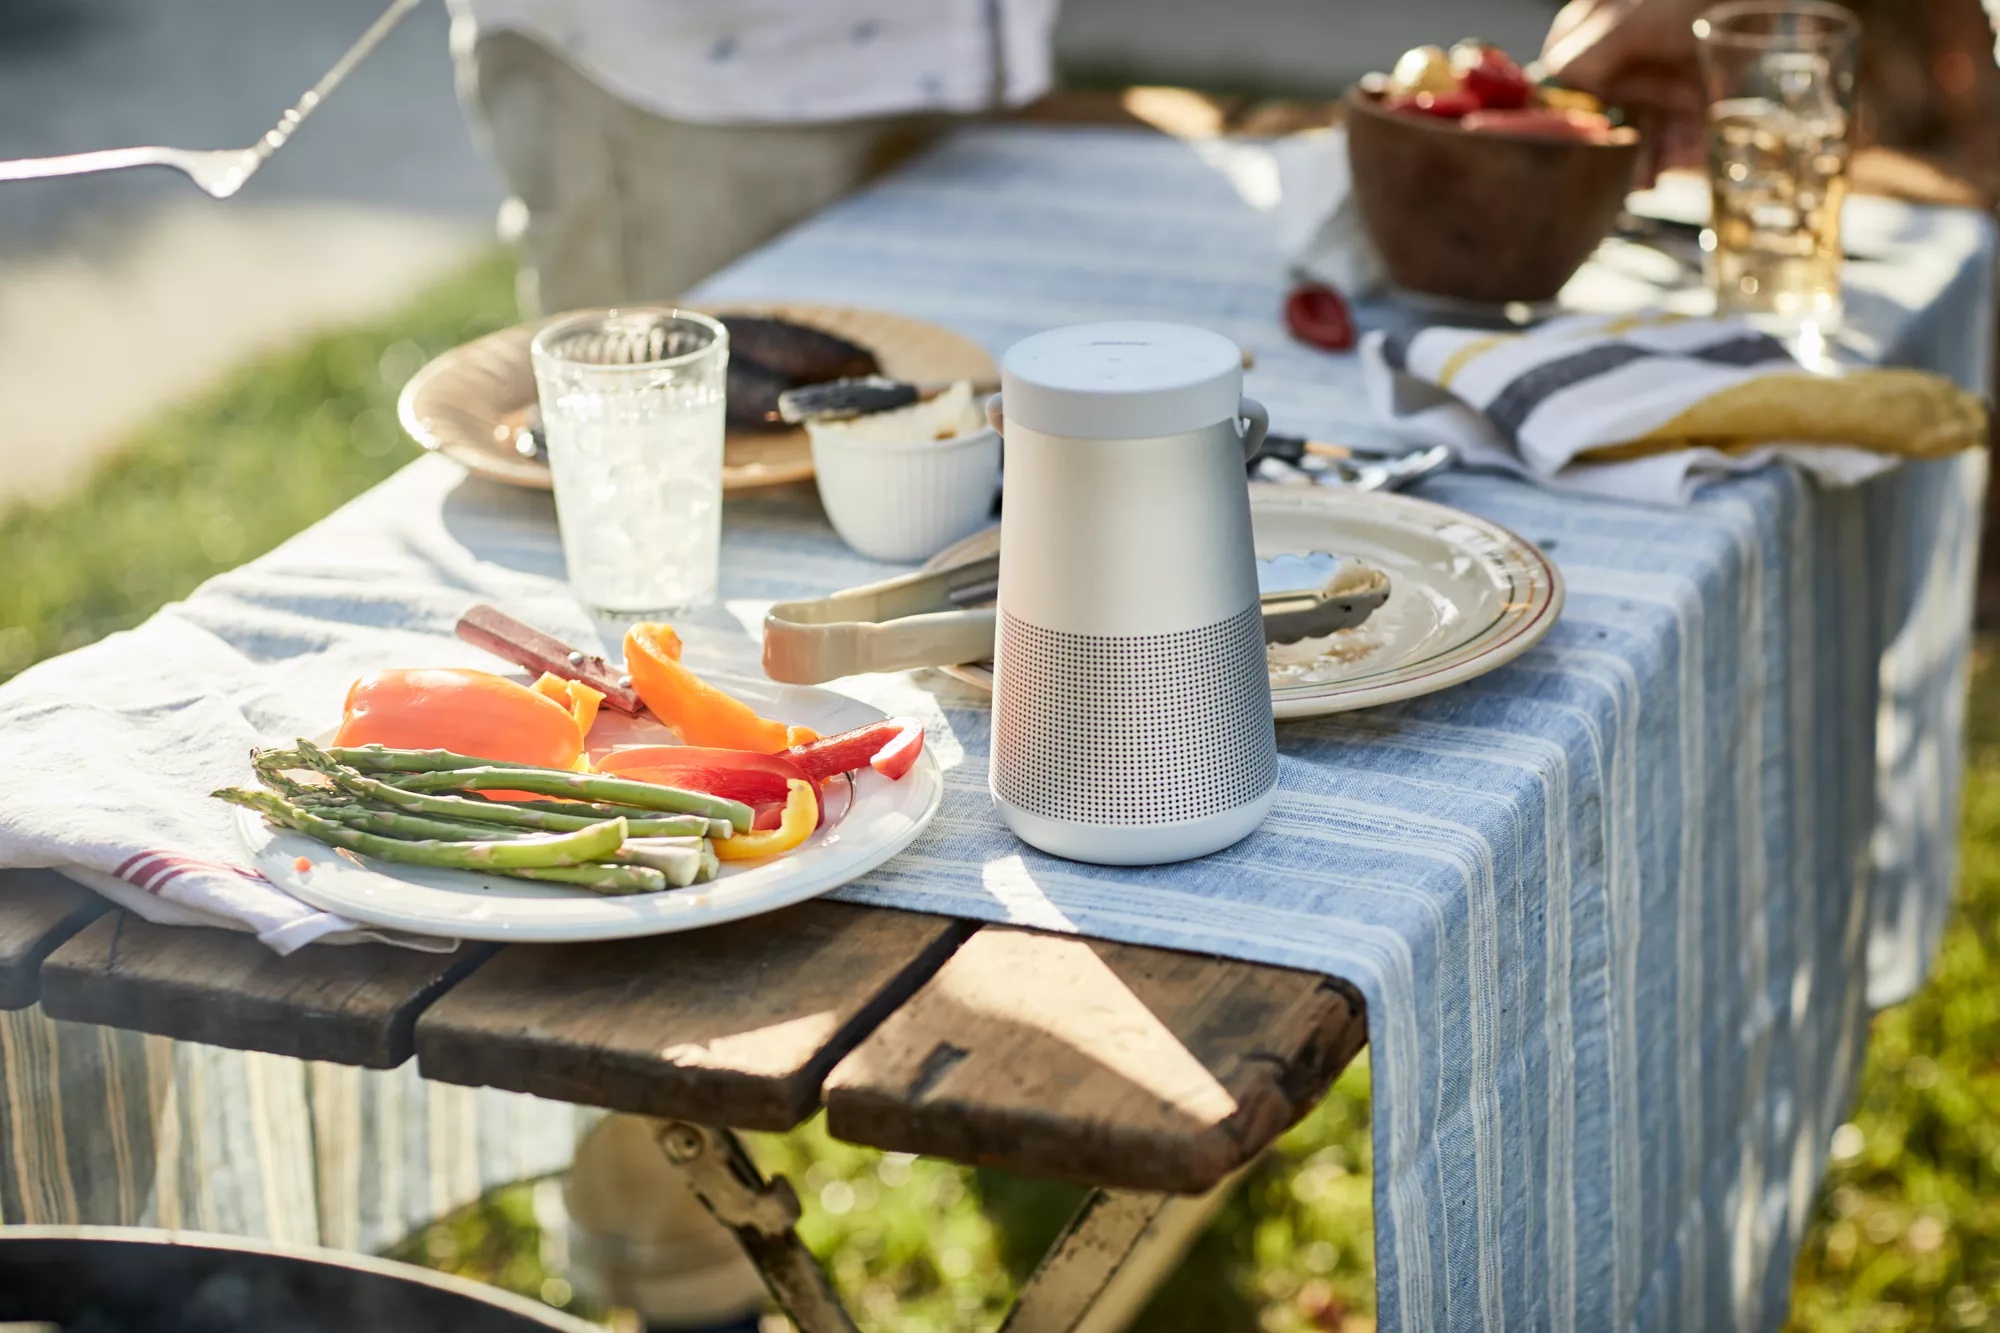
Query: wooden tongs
[(917, 620)]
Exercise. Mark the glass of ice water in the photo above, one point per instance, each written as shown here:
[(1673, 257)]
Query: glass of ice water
[(1779, 77), (632, 406)]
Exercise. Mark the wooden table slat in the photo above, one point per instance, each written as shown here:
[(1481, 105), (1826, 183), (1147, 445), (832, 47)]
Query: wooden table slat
[(350, 1004), (39, 909), (1106, 1064), (734, 1025)]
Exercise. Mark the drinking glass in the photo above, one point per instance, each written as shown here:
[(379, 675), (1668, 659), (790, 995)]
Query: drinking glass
[(632, 405), (1779, 76)]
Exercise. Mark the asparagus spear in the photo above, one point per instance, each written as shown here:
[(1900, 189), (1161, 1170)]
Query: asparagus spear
[(270, 766), (394, 821), (382, 759), (555, 850), (398, 824), (611, 880), (487, 812), (637, 867), (717, 828), (585, 786), (679, 859), (646, 821)]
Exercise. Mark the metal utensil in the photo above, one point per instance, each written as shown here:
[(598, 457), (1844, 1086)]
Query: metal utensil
[(219, 171), (1311, 596), (943, 617), (1291, 457), (841, 400)]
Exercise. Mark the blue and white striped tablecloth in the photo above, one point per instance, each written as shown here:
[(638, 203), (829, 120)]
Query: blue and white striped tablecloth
[(1614, 908)]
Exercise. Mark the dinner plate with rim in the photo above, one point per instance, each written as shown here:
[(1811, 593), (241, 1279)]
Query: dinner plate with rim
[(1466, 596), (878, 819), (470, 402)]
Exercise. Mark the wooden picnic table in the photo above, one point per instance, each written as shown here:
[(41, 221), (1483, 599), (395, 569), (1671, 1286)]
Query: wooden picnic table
[(1143, 1072)]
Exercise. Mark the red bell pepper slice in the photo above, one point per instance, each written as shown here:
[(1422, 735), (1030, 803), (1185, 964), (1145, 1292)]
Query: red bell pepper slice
[(899, 755), (737, 775), (890, 747)]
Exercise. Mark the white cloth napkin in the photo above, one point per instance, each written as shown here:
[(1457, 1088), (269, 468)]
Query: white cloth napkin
[(1530, 402), (107, 756)]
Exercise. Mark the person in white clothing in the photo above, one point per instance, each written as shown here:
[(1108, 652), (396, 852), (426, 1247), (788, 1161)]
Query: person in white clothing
[(646, 143)]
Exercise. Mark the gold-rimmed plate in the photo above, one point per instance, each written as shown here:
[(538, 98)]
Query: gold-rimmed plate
[(469, 403), (1466, 596)]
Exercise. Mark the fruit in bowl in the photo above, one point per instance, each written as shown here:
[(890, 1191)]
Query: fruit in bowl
[(1477, 183), (1484, 90)]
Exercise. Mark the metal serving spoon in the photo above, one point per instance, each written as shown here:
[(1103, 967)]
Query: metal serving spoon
[(219, 171)]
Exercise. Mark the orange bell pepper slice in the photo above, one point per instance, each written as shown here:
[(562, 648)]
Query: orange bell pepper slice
[(702, 714), (465, 711), (801, 817)]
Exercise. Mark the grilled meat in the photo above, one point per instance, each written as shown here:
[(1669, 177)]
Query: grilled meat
[(801, 354)]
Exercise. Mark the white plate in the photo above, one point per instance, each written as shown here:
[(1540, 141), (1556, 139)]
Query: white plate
[(1466, 595), (882, 819)]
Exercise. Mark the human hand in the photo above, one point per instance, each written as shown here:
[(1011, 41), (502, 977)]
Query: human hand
[(1638, 55)]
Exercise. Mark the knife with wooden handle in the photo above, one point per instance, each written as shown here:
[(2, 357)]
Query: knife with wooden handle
[(498, 633)]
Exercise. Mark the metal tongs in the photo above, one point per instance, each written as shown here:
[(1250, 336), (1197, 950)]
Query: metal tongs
[(219, 171), (936, 618)]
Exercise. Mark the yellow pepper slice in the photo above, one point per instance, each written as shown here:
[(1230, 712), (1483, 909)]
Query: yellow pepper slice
[(801, 817), (577, 697)]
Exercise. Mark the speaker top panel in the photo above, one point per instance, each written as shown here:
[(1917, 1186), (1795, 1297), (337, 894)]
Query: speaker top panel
[(1129, 380)]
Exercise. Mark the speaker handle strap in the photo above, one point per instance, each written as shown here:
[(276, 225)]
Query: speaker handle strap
[(1252, 423)]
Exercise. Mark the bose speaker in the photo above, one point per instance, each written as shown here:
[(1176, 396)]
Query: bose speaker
[(1132, 704)]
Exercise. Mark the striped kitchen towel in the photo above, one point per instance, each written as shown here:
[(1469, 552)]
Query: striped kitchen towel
[(1651, 406)]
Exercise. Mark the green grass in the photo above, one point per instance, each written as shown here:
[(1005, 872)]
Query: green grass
[(228, 476), (1907, 1234), (1908, 1228)]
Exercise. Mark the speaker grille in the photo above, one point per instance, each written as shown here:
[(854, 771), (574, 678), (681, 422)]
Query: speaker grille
[(1138, 730)]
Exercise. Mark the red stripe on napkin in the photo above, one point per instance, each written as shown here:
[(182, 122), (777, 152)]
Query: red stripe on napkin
[(153, 871)]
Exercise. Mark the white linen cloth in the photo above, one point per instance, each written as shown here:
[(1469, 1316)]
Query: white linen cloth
[(1530, 402), (107, 754), (764, 62)]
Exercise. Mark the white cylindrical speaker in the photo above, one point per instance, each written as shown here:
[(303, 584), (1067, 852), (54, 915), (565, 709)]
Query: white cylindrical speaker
[(1132, 705)]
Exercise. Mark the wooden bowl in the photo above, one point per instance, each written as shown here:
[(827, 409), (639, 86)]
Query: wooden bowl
[(1481, 216)]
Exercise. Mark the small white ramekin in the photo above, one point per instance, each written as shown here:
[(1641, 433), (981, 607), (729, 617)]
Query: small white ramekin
[(905, 501)]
